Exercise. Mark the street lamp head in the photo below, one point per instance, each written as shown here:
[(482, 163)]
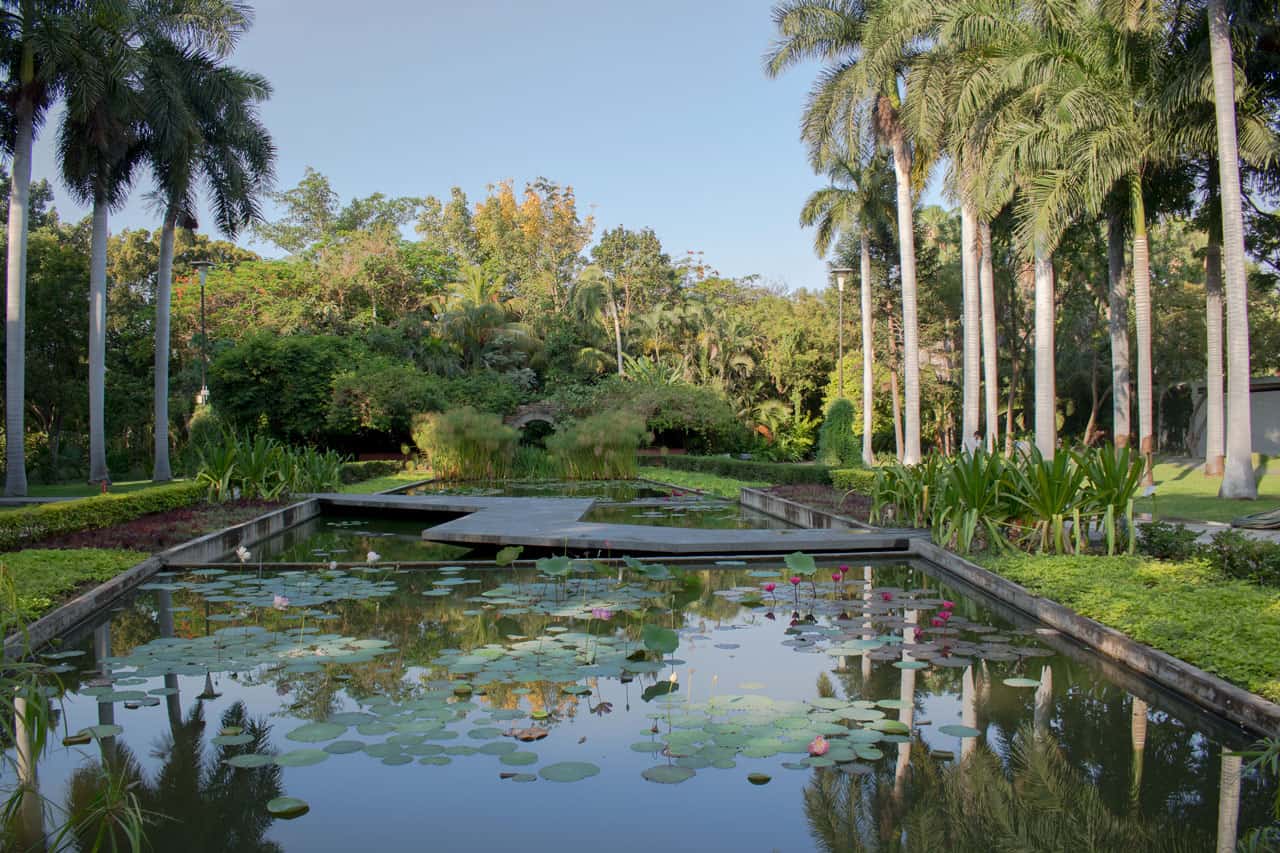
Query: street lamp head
[(203, 265), (840, 274)]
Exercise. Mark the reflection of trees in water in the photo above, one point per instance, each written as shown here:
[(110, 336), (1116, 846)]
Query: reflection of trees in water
[(197, 802), (1034, 801)]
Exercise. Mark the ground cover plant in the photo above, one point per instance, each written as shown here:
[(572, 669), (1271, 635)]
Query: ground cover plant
[(725, 487), (1177, 607), (45, 578), (1184, 493)]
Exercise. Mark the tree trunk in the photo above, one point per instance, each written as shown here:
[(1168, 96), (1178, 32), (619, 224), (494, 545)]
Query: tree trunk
[(868, 352), (990, 366), (1142, 315), (1213, 415), (1237, 479), (910, 314), (617, 332), (1046, 423), (972, 330), (98, 472), (1118, 309), (15, 329), (164, 285), (1229, 802)]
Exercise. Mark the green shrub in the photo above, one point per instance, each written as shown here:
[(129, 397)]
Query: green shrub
[(746, 469), (357, 472), (22, 526), (464, 444), (279, 384), (486, 390), (601, 447), (860, 480), (837, 444), (699, 420), (261, 467), (1236, 555), (1166, 541), (381, 397)]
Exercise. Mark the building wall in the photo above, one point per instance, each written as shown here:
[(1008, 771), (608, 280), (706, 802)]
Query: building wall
[(1265, 403)]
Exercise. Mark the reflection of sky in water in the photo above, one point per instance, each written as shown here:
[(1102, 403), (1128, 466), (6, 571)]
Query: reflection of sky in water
[(359, 803)]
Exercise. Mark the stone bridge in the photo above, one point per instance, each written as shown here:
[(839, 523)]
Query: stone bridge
[(530, 412)]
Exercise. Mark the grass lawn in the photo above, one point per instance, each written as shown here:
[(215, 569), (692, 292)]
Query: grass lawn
[(1228, 627), (725, 487), (1184, 492), (45, 578), (380, 484), (87, 490)]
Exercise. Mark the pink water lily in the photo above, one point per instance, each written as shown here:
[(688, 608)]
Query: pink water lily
[(944, 615), (844, 570), (770, 587), (794, 579), (280, 602), (601, 613), (819, 746), (936, 622), (947, 605), (836, 576), (887, 596)]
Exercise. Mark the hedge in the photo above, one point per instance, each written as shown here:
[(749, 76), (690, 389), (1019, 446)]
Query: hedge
[(860, 480), (356, 472), (24, 526), (775, 473)]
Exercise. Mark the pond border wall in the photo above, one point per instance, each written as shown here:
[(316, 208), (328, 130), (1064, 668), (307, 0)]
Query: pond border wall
[(202, 548), (797, 513), (1203, 688)]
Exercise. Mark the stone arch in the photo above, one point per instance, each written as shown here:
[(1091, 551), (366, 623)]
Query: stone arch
[(530, 412)]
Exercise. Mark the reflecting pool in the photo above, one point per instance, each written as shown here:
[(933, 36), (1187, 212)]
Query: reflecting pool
[(608, 490), (627, 709)]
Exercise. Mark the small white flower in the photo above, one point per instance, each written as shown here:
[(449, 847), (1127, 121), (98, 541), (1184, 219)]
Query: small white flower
[(373, 557), (280, 602), (242, 553), (333, 565)]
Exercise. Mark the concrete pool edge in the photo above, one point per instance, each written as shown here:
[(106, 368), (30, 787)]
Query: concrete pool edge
[(63, 619), (1204, 689), (796, 513)]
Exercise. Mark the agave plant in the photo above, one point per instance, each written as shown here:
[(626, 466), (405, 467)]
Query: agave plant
[(1047, 491), (218, 468), (972, 500), (907, 493), (1114, 475)]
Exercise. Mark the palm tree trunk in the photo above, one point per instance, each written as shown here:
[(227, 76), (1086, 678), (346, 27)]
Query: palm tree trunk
[(98, 472), (972, 319), (1046, 423), (617, 334), (1213, 420), (910, 313), (868, 351), (893, 393), (15, 329), (1142, 315), (1237, 479), (164, 286), (1229, 802), (1138, 738), (990, 365), (1118, 309)]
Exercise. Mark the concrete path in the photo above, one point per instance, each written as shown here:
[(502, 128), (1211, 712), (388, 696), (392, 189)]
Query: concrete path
[(555, 523)]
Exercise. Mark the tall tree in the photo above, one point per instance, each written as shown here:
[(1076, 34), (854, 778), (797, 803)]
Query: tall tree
[(846, 93), (1237, 479), (36, 37), (202, 126)]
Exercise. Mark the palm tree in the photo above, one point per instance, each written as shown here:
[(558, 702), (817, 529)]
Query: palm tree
[(202, 125), (37, 38), (846, 97), (855, 202), (99, 147), (1237, 478)]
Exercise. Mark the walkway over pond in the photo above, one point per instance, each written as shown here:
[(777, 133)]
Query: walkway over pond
[(555, 523)]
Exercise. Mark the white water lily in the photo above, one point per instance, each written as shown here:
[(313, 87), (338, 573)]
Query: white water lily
[(333, 565), (373, 557), (242, 554)]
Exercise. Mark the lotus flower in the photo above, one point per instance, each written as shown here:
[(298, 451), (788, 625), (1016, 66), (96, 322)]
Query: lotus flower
[(280, 602), (819, 746), (844, 570), (887, 596), (675, 678), (936, 622), (947, 605), (836, 576), (333, 565), (373, 557), (601, 613), (770, 587), (944, 615), (794, 579), (242, 554)]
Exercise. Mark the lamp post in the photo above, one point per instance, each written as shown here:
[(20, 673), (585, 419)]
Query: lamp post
[(202, 398), (840, 273)]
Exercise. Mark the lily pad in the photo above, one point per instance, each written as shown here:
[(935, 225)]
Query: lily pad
[(287, 808), (669, 774), (519, 759), (759, 778), (568, 771), (301, 758), (1022, 682), (316, 732), (959, 731), (250, 760)]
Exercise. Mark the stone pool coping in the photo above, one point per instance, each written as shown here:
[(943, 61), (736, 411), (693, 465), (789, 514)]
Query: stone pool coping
[(1204, 689), (797, 513)]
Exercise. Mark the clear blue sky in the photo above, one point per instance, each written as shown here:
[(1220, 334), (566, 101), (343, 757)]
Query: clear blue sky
[(657, 113)]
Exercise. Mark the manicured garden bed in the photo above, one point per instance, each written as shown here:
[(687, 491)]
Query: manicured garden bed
[(45, 578), (160, 530), (1227, 627), (712, 484), (381, 484)]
